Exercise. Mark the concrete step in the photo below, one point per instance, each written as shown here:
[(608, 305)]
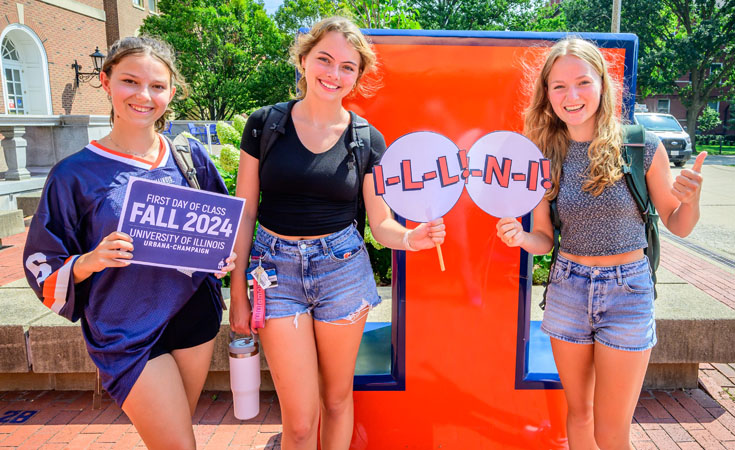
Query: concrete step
[(11, 222), (28, 202)]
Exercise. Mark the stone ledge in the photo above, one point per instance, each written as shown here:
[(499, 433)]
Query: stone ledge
[(11, 223), (28, 202)]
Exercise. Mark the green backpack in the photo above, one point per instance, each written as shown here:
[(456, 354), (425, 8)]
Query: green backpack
[(634, 151)]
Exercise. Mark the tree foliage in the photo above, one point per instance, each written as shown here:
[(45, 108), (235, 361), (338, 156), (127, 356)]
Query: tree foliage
[(230, 53), (295, 14), (474, 14), (708, 120), (701, 35)]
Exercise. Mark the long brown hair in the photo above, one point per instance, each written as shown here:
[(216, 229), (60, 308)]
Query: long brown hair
[(304, 43), (550, 133), (145, 45)]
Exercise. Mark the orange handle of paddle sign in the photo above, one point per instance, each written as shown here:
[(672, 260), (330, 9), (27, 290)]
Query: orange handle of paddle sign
[(441, 257)]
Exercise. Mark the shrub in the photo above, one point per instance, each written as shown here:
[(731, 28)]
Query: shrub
[(239, 123), (228, 134), (541, 267)]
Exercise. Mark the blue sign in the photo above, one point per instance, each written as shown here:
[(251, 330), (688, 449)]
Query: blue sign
[(179, 227)]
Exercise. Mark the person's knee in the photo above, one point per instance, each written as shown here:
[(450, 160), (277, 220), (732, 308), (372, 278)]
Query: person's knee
[(301, 429), (580, 416), (336, 403)]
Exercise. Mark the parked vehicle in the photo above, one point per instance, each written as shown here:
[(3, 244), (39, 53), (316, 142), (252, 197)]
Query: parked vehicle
[(677, 142)]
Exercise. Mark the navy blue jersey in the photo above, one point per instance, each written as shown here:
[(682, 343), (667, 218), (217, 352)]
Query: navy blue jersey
[(123, 310)]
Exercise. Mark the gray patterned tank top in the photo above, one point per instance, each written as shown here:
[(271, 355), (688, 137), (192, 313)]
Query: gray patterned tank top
[(608, 224)]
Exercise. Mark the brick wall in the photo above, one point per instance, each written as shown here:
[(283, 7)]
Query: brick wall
[(129, 17), (66, 36)]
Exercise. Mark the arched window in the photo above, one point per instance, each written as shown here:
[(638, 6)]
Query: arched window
[(13, 76), (25, 77)]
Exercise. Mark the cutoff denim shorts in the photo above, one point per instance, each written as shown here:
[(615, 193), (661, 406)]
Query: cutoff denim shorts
[(329, 278), (612, 305)]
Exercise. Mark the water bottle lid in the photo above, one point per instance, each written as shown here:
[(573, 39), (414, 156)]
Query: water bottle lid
[(244, 346)]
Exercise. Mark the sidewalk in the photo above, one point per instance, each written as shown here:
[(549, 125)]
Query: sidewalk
[(664, 419)]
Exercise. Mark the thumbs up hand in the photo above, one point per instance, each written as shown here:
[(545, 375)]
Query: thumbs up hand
[(688, 184)]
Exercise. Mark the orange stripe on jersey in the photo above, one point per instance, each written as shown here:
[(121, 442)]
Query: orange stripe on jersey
[(153, 165), (51, 285)]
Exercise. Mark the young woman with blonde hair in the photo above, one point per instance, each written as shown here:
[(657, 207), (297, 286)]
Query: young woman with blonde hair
[(599, 310), (310, 189)]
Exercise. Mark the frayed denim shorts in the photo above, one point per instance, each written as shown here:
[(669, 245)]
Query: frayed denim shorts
[(329, 278), (612, 305)]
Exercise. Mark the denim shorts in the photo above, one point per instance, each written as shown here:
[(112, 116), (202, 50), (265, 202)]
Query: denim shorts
[(612, 305), (329, 278)]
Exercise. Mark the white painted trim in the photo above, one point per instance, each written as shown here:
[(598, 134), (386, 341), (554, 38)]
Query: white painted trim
[(21, 15), (79, 8), (44, 63)]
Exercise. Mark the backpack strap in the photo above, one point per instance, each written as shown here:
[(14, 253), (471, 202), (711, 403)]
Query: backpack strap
[(634, 172), (556, 223), (359, 154), (274, 126), (633, 153), (182, 155)]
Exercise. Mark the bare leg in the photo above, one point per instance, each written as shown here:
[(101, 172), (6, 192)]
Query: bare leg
[(577, 374), (337, 345), (193, 365), (291, 355), (158, 407), (619, 380)]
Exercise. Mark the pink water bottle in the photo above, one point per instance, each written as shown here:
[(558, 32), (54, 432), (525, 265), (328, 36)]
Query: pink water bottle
[(245, 377)]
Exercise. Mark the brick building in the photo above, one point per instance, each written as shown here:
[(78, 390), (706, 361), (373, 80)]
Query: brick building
[(670, 104), (41, 39)]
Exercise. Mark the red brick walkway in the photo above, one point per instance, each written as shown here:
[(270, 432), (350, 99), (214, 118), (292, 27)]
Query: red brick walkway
[(11, 258), (66, 420), (686, 419)]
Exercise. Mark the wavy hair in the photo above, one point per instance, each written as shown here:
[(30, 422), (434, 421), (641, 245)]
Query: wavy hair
[(551, 135), (145, 45), (304, 43)]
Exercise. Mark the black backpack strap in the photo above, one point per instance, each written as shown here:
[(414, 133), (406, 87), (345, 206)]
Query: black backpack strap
[(359, 152), (634, 151), (182, 155), (274, 127), (634, 171), (556, 223)]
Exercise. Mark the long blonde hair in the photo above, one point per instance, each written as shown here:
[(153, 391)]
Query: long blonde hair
[(305, 42), (550, 133)]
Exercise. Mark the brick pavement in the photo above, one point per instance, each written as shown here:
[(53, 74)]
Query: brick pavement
[(664, 419)]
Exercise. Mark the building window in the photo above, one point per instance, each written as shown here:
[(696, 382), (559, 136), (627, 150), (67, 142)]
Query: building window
[(13, 79), (138, 4), (663, 105), (714, 105), (153, 6)]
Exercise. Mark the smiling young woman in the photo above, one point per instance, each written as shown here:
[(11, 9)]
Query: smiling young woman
[(599, 309), (310, 189), (149, 330)]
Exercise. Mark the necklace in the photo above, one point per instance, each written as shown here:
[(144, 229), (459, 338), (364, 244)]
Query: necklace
[(130, 152)]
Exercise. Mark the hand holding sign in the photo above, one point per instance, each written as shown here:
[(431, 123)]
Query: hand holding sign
[(415, 178)]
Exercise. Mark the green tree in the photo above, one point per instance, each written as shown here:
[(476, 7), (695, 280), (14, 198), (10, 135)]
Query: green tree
[(699, 38), (473, 14), (708, 120), (230, 53), (295, 14), (394, 14)]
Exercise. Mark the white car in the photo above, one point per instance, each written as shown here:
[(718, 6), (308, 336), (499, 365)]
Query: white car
[(677, 142)]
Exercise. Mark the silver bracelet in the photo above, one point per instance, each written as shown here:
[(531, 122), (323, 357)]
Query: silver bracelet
[(407, 244)]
